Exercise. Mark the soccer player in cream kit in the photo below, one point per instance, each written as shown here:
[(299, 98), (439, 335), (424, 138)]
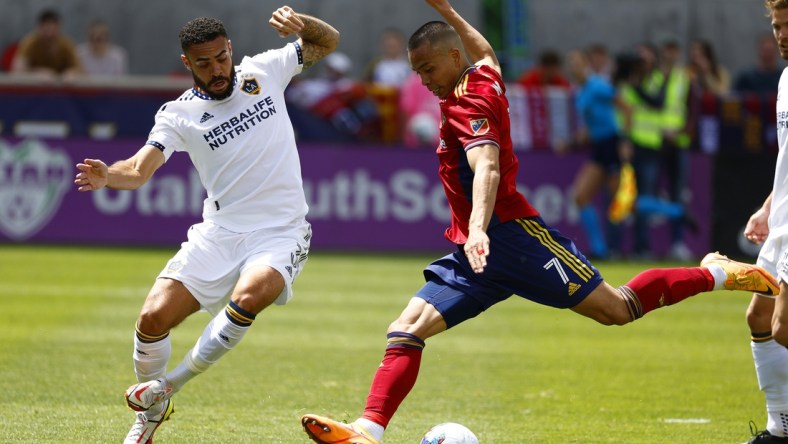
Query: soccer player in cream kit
[(767, 315), (254, 239)]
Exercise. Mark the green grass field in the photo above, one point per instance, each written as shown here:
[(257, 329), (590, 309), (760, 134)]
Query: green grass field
[(520, 373)]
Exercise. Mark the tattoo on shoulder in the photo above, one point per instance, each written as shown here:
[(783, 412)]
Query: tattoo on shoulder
[(313, 53)]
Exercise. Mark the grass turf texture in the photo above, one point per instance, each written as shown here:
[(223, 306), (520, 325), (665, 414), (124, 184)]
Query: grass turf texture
[(520, 373)]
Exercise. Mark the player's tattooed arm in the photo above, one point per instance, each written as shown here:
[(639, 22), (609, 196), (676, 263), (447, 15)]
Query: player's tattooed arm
[(318, 39)]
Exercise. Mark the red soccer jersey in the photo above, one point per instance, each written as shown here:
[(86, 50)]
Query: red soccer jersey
[(477, 113)]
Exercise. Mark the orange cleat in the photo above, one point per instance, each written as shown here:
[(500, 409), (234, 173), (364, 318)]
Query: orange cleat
[(743, 276), (323, 430)]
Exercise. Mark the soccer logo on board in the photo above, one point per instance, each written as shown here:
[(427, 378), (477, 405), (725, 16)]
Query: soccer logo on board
[(33, 180)]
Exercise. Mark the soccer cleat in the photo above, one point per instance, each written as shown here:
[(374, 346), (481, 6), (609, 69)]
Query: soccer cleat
[(325, 430), (741, 276), (142, 396), (764, 437), (143, 428)]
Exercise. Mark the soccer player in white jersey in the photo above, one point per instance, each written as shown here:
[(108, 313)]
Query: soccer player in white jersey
[(254, 239), (768, 316)]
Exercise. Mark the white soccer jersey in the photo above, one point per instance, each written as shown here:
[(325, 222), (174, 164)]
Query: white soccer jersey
[(243, 147), (778, 216)]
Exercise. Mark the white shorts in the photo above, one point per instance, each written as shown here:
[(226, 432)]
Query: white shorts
[(210, 262), (773, 257)]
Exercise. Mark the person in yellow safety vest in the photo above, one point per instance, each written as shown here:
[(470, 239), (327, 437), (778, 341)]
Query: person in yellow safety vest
[(642, 91), (674, 112)]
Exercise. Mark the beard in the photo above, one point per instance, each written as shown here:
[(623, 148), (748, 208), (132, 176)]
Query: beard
[(205, 87)]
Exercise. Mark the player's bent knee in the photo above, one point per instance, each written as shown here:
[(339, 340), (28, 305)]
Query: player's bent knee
[(152, 323), (759, 314)]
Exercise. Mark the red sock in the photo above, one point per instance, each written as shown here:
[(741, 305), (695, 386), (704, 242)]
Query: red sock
[(659, 287), (394, 378)]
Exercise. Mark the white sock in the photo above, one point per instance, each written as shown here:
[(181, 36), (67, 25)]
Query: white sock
[(719, 275), (374, 429), (771, 366), (219, 336), (150, 358)]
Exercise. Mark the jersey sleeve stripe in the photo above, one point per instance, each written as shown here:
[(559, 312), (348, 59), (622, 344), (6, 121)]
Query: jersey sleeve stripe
[(156, 144), (299, 54), (476, 143)]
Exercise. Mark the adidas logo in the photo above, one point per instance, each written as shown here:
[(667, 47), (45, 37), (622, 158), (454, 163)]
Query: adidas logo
[(206, 117), (573, 288)]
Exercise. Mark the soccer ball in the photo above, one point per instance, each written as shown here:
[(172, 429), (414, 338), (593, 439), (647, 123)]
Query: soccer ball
[(449, 433)]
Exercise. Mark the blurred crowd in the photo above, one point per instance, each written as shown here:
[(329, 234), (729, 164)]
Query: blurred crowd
[(635, 113), (386, 103)]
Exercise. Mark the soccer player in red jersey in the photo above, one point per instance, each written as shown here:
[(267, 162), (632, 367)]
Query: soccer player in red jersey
[(503, 246)]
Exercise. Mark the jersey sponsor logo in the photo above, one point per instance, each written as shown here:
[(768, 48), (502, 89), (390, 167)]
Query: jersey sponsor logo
[(250, 86), (782, 119), (480, 126), (34, 177), (206, 117), (238, 125)]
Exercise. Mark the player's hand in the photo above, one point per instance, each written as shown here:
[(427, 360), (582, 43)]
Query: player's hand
[(477, 248), (757, 229), (286, 21), (92, 175)]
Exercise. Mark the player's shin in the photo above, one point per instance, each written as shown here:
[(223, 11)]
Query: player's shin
[(394, 378), (771, 366), (221, 334), (151, 354)]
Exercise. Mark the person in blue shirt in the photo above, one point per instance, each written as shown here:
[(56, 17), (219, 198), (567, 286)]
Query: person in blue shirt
[(596, 102)]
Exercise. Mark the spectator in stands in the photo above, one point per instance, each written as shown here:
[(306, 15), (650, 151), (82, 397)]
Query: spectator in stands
[(421, 114), (706, 72), (99, 56), (599, 61), (45, 52), (546, 73), (338, 98), (391, 68), (765, 75)]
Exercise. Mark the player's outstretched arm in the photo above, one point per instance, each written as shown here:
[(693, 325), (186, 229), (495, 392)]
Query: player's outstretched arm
[(485, 163), (126, 174), (478, 48), (316, 37)]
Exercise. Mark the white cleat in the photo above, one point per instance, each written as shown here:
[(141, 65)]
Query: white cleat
[(142, 396), (145, 426)]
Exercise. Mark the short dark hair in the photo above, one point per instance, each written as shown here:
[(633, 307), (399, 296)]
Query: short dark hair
[(48, 15), (550, 57), (431, 32), (201, 30)]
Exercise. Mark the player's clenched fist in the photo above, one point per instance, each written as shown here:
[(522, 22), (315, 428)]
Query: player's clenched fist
[(92, 175), (286, 21)]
